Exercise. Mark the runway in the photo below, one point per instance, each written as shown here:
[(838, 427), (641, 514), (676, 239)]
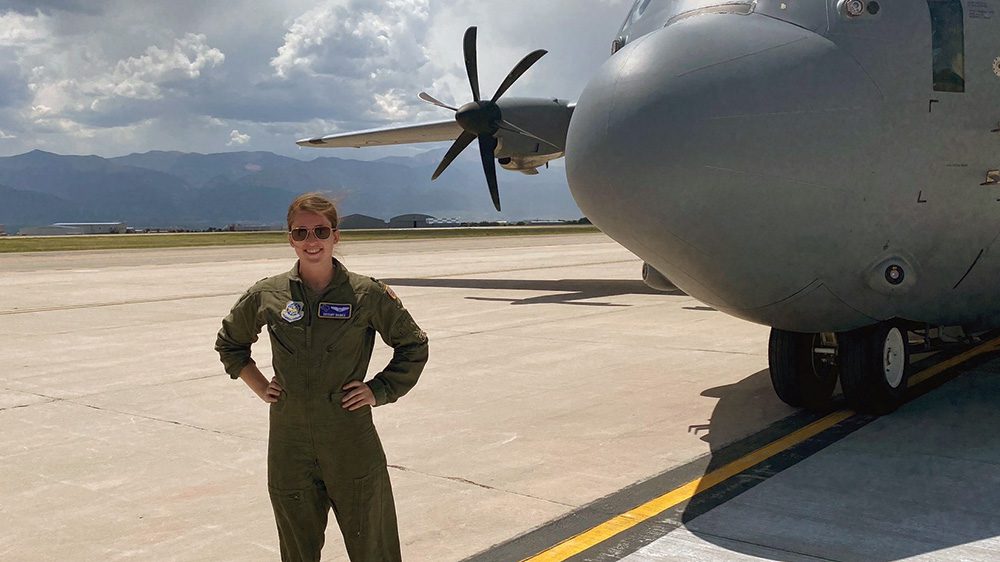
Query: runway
[(560, 393)]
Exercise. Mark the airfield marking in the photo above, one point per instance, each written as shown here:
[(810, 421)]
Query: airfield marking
[(620, 523), (992, 345)]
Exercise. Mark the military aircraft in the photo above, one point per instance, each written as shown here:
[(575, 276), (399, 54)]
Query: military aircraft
[(829, 168)]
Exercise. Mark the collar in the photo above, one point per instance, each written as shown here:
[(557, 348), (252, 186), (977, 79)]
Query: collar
[(339, 274)]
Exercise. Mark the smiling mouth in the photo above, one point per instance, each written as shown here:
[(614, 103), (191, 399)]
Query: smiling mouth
[(314, 252)]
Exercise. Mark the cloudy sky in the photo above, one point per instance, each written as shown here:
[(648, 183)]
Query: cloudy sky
[(112, 77)]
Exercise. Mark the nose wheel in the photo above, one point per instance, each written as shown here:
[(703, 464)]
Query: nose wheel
[(875, 367), (803, 368)]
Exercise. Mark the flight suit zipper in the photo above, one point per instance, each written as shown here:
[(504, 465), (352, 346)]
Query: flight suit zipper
[(308, 312)]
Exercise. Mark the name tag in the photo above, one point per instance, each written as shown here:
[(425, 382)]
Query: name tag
[(328, 310)]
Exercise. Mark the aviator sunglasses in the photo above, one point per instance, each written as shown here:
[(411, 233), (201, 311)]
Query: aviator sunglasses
[(321, 232)]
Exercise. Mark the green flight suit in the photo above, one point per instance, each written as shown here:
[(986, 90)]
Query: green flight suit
[(321, 456)]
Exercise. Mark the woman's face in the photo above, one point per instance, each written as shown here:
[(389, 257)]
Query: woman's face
[(312, 250)]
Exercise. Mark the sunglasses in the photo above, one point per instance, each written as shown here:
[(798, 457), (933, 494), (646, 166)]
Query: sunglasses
[(321, 232)]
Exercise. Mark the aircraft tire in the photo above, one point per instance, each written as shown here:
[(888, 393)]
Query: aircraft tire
[(874, 367), (798, 377)]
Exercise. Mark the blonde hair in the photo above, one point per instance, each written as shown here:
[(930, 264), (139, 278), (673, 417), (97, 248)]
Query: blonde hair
[(314, 202)]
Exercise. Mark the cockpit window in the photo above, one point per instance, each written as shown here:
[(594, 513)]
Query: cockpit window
[(650, 15), (948, 45)]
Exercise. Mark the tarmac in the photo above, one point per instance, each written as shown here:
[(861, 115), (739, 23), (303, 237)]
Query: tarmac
[(561, 393)]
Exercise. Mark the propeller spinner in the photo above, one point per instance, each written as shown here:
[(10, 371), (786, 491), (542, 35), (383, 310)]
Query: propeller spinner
[(481, 119)]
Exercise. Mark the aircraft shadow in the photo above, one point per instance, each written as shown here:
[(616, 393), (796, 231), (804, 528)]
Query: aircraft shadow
[(568, 291), (921, 480)]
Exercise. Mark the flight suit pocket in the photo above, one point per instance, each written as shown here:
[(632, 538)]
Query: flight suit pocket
[(301, 516), (346, 341), (369, 503), (362, 414), (285, 337)]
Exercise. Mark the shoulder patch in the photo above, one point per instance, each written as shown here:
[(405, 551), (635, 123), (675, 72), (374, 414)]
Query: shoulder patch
[(385, 288), (390, 292)]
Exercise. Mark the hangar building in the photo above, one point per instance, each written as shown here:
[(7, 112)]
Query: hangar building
[(413, 220), (61, 228), (360, 221)]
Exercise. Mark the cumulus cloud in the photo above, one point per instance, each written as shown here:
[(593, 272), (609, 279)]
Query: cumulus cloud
[(143, 77), (5, 136), (371, 53), (121, 92), (20, 29), (148, 76), (358, 40), (114, 76), (237, 138)]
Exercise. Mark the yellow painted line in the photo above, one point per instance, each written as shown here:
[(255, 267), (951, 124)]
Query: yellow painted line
[(596, 535), (629, 519), (992, 345)]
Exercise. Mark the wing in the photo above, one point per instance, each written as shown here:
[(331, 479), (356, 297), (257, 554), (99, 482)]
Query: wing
[(425, 132)]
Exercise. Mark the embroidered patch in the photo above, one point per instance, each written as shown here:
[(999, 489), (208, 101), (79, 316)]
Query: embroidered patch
[(329, 310), (390, 292), (293, 311)]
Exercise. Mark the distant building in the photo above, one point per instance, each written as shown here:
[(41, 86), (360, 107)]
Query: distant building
[(3, 230), (413, 220), (50, 230), (96, 227), (66, 228), (442, 223), (240, 227), (546, 222), (360, 221)]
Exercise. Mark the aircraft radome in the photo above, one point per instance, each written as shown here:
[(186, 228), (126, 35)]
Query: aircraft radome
[(829, 168)]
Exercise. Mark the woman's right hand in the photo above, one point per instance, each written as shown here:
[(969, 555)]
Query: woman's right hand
[(272, 392)]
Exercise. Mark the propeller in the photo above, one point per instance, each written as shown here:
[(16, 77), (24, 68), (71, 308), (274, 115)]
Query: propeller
[(481, 119)]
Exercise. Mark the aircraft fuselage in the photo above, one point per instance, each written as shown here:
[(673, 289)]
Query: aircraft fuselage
[(802, 168)]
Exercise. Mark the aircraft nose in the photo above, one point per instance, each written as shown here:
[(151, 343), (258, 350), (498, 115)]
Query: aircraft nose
[(702, 146)]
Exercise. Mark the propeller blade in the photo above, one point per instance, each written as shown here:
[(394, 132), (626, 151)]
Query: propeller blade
[(508, 126), (517, 71), (434, 101), (470, 61), (487, 150), (463, 140)]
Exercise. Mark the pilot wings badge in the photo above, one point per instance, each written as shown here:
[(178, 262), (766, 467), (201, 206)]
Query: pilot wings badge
[(293, 311)]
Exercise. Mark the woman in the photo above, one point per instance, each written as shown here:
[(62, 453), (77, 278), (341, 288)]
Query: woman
[(323, 451)]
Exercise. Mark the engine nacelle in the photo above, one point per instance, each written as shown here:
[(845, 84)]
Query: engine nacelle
[(656, 280), (527, 164), (545, 118)]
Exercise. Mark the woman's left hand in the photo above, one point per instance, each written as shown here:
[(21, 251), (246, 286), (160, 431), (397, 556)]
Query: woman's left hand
[(358, 395)]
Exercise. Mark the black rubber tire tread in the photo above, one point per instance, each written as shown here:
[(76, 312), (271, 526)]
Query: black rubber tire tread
[(861, 378), (782, 365), (793, 377)]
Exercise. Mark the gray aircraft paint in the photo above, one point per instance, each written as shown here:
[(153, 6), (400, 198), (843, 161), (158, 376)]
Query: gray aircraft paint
[(775, 172), (775, 159)]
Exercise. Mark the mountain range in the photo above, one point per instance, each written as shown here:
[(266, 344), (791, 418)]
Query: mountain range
[(197, 191)]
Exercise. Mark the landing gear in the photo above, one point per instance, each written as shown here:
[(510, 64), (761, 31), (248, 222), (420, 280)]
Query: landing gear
[(803, 368), (874, 367)]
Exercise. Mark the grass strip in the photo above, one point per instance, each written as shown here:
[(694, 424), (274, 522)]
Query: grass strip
[(187, 240)]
